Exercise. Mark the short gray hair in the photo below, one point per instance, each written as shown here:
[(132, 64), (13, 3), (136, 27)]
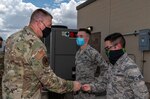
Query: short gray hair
[(39, 14)]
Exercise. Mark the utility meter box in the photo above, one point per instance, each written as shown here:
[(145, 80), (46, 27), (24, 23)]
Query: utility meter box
[(144, 40)]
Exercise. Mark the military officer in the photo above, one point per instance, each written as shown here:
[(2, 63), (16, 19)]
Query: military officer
[(26, 63)]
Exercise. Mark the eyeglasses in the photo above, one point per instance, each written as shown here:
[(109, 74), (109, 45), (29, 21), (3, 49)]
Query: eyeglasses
[(109, 47)]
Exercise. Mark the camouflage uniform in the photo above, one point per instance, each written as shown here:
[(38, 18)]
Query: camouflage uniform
[(123, 81), (1, 70), (87, 61), (27, 68)]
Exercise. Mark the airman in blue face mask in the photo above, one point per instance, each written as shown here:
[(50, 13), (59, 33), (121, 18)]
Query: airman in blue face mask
[(88, 60)]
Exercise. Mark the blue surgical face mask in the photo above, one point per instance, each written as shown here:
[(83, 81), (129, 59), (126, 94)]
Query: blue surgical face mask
[(80, 41)]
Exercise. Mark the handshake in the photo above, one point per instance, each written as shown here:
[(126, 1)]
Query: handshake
[(78, 86)]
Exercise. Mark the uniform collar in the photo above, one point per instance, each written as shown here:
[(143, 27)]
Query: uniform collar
[(79, 52), (29, 30), (82, 50), (121, 59)]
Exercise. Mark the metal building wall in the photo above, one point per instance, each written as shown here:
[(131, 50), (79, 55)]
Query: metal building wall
[(125, 16)]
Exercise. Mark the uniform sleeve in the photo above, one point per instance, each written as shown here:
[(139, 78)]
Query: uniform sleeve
[(101, 85), (136, 81), (101, 63), (45, 74)]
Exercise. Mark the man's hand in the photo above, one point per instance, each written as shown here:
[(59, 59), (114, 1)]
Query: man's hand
[(77, 86), (86, 87)]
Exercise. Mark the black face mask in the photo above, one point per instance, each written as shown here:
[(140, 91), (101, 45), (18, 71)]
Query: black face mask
[(114, 55), (46, 32), (0, 46)]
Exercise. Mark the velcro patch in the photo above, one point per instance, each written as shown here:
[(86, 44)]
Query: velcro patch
[(45, 61), (40, 54)]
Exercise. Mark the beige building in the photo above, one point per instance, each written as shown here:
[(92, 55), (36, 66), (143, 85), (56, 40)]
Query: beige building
[(125, 16)]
